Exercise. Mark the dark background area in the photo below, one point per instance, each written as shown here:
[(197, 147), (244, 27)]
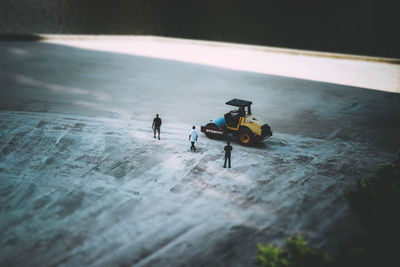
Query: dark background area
[(366, 27)]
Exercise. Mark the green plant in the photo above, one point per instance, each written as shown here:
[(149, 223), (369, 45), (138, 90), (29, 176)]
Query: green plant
[(297, 253), (271, 256)]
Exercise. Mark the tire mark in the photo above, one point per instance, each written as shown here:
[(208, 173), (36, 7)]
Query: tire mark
[(97, 165)]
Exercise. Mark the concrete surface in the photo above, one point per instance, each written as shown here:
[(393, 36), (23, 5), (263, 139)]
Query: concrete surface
[(83, 182)]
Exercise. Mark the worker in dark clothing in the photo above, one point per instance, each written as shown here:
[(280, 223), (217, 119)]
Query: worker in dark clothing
[(242, 113), (228, 149), (156, 126)]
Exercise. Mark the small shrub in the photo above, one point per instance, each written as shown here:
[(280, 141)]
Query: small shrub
[(297, 253), (271, 256)]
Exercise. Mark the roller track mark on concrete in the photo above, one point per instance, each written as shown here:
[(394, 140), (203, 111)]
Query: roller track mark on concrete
[(97, 165), (187, 172), (64, 133), (117, 165), (164, 247)]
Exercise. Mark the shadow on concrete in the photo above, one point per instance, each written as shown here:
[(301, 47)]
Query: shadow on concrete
[(19, 37)]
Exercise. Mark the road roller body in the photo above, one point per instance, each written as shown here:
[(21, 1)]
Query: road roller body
[(240, 123)]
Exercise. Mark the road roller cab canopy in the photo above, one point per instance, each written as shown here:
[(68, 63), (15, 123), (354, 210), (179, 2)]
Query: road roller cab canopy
[(241, 104)]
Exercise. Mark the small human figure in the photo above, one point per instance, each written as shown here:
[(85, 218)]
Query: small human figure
[(242, 113), (228, 149), (156, 126), (193, 136)]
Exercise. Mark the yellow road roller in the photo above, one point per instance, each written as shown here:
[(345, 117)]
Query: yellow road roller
[(240, 122)]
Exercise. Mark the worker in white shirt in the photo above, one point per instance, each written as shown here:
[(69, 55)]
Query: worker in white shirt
[(193, 136)]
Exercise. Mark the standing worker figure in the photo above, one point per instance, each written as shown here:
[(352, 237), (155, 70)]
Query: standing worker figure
[(228, 149), (193, 138), (156, 126)]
